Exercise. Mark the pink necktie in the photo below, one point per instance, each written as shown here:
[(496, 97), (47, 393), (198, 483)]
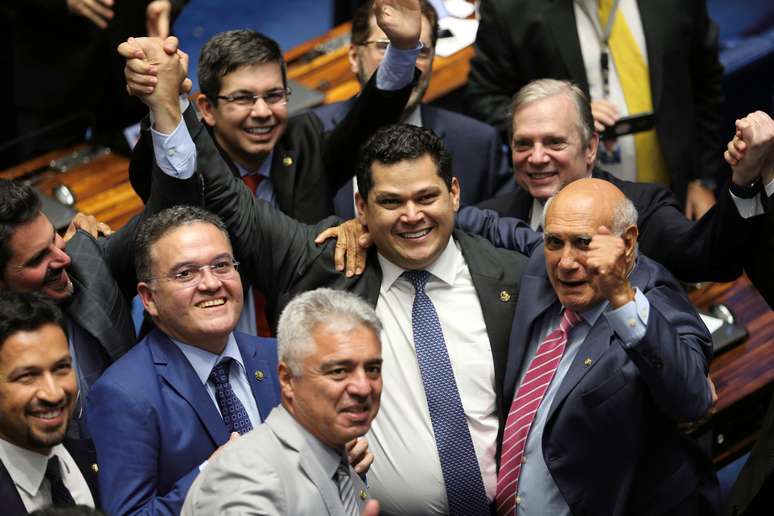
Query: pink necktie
[(523, 409)]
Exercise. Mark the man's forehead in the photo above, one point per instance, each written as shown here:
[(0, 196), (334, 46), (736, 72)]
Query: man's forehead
[(254, 76), (31, 238)]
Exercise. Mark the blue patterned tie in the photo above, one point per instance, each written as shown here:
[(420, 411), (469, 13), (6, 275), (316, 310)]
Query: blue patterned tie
[(233, 412), (461, 474)]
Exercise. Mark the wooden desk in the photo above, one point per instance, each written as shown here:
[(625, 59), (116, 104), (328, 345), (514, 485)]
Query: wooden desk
[(743, 376), (101, 186), (330, 73)]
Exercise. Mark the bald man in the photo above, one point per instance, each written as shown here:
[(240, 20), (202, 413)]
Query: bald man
[(606, 357)]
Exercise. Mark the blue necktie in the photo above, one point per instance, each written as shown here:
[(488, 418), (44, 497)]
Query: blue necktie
[(233, 412), (461, 474)]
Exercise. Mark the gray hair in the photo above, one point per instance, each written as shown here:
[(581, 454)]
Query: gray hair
[(545, 88), (624, 215), (335, 310)]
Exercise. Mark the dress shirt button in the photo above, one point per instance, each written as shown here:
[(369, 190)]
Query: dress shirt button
[(171, 152), (518, 500)]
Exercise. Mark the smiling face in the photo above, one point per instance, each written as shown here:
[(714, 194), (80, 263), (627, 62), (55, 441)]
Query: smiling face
[(201, 315), (37, 388), (247, 133), (38, 261), (547, 148), (364, 60), (410, 211), (337, 393)]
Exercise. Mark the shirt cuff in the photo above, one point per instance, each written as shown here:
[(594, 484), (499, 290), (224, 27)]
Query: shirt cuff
[(175, 153), (397, 68), (203, 465), (769, 188), (630, 321)]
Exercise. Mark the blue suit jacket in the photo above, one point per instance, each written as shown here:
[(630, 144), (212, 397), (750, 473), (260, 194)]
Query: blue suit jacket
[(611, 439), (480, 161), (153, 422)]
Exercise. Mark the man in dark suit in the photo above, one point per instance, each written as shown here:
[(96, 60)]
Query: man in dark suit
[(554, 143), (39, 466), (522, 40), (161, 411), (479, 160), (597, 401), (78, 275)]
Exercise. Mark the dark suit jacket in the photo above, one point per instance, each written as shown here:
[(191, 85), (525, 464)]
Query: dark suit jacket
[(522, 40), (611, 440), (82, 452), (153, 422), (709, 249), (479, 159), (309, 164), (759, 264)]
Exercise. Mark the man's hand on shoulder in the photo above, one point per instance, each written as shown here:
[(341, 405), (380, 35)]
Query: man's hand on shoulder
[(89, 224)]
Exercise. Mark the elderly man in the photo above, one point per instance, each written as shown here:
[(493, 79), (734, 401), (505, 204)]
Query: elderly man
[(330, 363), (606, 357), (38, 393), (164, 408), (78, 275), (554, 143), (479, 159)]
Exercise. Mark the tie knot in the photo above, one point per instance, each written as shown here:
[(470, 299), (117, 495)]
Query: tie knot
[(569, 319), (53, 471), (418, 279), (219, 373)]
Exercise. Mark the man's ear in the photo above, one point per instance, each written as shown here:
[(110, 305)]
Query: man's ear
[(352, 56), (285, 381), (207, 110), (591, 150), (630, 236), (146, 296), (360, 204), (455, 193)]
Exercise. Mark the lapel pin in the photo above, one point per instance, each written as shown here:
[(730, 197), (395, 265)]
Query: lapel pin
[(505, 296), (95, 468), (259, 375), (587, 362), (287, 161), (363, 494)]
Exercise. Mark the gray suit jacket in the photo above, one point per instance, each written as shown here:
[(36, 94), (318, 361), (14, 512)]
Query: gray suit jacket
[(270, 471)]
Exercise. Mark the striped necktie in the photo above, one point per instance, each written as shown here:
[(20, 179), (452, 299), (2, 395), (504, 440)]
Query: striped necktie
[(523, 409), (346, 490)]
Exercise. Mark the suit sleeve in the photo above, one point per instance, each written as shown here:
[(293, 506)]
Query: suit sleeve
[(492, 78), (506, 232), (126, 432), (673, 356)]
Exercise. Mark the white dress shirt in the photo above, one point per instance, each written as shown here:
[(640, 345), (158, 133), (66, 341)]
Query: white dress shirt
[(28, 468), (406, 476)]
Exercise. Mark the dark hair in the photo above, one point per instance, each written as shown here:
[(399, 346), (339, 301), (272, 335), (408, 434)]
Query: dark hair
[(26, 311), (158, 225), (361, 22), (228, 51), (401, 142), (19, 204)]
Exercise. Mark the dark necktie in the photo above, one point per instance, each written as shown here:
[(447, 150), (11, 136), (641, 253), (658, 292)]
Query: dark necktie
[(461, 474), (60, 495), (233, 412)]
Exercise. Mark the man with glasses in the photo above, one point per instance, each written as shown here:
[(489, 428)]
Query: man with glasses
[(479, 159), (161, 411)]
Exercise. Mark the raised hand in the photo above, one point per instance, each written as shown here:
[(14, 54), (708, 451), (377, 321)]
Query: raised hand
[(401, 21), (157, 16), (100, 12), (608, 262), (751, 152)]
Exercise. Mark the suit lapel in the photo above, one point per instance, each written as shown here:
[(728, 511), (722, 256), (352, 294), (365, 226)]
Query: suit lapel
[(283, 177), (261, 374), (561, 18), (651, 14), (9, 496), (286, 430), (176, 371)]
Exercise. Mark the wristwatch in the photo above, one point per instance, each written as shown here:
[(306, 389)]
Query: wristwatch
[(747, 191)]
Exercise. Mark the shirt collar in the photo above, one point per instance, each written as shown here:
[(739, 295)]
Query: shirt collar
[(263, 170), (444, 267), (203, 361), (414, 118), (26, 467)]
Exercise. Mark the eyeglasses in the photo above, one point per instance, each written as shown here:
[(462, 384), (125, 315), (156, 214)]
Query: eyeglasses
[(192, 275), (380, 45), (271, 97)]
